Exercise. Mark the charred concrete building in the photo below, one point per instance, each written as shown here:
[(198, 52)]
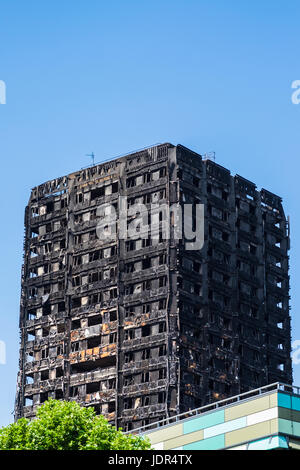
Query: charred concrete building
[(141, 330)]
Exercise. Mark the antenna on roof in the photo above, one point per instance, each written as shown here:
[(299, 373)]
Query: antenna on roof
[(92, 155), (209, 156)]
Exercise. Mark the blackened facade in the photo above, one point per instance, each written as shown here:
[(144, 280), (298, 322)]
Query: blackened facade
[(142, 330)]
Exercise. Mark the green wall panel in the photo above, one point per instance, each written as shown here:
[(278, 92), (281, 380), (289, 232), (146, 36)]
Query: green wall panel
[(296, 403), (284, 400), (206, 421), (214, 443)]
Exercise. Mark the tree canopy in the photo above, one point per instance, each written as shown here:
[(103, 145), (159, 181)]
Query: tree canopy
[(65, 425)]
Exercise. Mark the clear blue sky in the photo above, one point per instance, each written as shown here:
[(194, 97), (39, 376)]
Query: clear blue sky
[(112, 77)]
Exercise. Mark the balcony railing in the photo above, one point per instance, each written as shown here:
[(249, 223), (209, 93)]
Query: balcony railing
[(219, 404)]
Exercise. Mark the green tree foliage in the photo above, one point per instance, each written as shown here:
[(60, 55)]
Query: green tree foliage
[(63, 425)]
